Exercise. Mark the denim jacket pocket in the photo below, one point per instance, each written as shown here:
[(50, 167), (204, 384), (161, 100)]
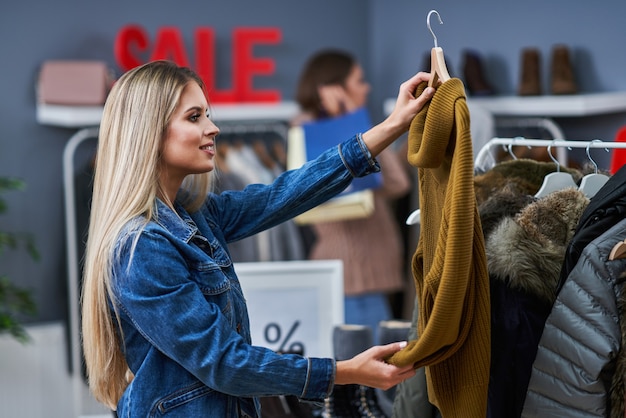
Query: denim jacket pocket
[(216, 288), (180, 397), (214, 250)]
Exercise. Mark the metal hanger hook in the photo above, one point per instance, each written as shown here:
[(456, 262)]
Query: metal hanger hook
[(595, 165), (428, 24), (509, 149), (558, 164)]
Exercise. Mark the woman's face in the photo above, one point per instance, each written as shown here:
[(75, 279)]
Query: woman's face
[(189, 146), (356, 87)]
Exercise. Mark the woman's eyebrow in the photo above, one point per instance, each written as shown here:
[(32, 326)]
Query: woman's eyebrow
[(196, 108)]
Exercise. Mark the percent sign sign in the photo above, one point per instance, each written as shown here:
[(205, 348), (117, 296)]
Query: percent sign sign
[(273, 333)]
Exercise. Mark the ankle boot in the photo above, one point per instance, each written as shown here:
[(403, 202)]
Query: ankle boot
[(562, 81), (350, 340), (474, 75), (366, 403), (341, 403), (389, 332), (530, 75)]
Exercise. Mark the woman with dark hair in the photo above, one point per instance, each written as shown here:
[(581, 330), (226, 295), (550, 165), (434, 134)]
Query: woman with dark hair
[(333, 84)]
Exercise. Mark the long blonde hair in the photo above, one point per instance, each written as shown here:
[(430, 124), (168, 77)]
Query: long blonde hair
[(134, 124)]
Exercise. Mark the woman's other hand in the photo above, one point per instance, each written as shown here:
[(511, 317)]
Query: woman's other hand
[(370, 369)]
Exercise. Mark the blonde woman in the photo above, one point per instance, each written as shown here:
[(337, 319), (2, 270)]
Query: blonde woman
[(165, 325)]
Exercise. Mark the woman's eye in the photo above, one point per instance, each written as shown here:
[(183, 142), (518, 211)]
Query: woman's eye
[(208, 115), (194, 117)]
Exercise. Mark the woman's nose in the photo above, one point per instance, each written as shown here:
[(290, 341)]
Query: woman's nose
[(211, 129)]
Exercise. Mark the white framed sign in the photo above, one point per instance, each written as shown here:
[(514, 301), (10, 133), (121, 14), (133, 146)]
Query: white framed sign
[(294, 305)]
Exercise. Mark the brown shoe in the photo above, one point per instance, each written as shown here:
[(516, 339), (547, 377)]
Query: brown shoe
[(474, 75), (562, 75), (530, 76)]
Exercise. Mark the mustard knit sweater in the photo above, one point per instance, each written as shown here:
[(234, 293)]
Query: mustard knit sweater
[(449, 264)]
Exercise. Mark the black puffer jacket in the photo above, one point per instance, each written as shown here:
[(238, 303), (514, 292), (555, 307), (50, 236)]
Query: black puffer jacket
[(574, 372)]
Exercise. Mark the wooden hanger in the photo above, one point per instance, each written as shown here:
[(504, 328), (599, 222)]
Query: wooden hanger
[(592, 183), (557, 180), (438, 69)]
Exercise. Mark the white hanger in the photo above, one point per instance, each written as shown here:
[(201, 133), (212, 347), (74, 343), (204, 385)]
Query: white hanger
[(592, 183), (557, 180), (438, 69)]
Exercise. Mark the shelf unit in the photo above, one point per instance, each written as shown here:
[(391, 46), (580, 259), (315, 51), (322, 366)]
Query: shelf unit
[(546, 106), (87, 116), (554, 106)]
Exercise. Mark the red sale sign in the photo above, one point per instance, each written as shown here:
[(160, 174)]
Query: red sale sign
[(133, 40)]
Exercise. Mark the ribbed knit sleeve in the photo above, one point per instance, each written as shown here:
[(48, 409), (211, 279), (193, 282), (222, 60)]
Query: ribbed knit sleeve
[(449, 265)]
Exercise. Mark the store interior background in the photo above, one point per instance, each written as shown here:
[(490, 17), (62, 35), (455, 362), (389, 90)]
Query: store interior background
[(390, 39)]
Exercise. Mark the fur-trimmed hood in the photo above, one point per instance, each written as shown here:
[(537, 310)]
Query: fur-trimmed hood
[(525, 175), (527, 250)]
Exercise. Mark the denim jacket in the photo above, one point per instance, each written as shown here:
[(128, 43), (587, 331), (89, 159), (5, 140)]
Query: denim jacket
[(183, 316)]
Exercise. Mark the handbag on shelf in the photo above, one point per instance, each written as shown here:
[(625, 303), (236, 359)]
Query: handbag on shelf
[(74, 83), (308, 141)]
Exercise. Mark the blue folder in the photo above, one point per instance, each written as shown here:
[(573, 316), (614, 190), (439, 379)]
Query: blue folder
[(326, 133)]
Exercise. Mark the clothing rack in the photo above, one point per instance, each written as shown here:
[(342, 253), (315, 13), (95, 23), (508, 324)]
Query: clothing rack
[(485, 151)]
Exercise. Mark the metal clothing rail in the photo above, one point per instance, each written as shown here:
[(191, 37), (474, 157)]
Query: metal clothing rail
[(255, 127), (73, 276), (547, 124), (485, 151), (539, 123)]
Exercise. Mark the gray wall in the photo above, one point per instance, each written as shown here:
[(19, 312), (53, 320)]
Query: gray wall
[(389, 37)]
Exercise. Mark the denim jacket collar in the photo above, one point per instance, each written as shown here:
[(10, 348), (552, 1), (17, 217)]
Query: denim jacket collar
[(178, 222)]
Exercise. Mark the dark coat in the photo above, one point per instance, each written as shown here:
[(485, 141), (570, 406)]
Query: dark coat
[(524, 256), (606, 209)]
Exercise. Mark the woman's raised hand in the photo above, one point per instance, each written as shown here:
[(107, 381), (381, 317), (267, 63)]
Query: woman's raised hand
[(398, 122)]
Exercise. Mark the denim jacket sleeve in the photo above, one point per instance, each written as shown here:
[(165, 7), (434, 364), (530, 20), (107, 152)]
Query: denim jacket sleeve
[(175, 305), (181, 307), (258, 207)]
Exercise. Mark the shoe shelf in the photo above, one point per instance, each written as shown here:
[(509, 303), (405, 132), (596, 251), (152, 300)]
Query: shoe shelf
[(87, 116), (548, 106), (553, 105)]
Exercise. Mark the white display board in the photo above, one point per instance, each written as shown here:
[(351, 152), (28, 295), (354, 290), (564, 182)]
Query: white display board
[(294, 305)]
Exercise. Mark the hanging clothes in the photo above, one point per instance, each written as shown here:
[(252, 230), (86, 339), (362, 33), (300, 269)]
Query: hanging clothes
[(607, 208), (449, 264), (524, 174), (247, 158), (524, 255), (573, 373)]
